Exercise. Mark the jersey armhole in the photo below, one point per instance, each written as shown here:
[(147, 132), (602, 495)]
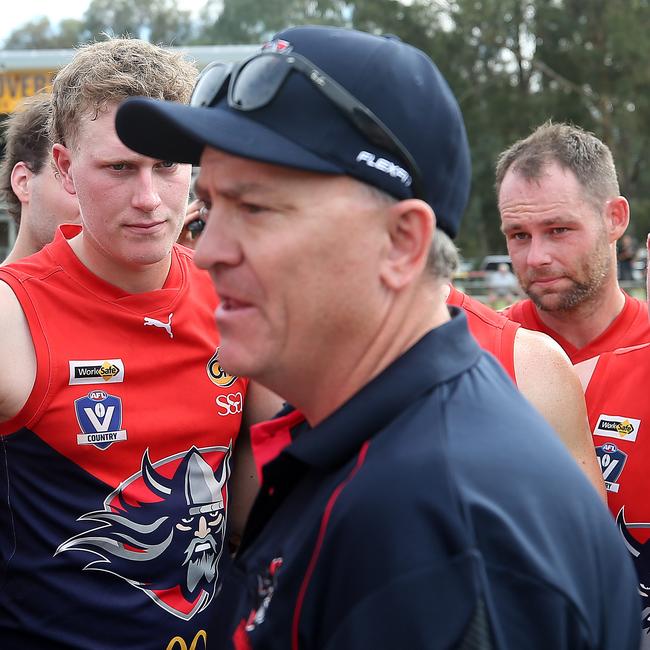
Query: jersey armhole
[(27, 414), (507, 356)]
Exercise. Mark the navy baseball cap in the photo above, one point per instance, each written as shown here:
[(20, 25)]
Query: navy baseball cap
[(301, 128)]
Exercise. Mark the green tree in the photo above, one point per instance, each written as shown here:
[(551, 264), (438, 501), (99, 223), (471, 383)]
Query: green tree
[(159, 21), (40, 34), (251, 21), (591, 57), (512, 64), (490, 48)]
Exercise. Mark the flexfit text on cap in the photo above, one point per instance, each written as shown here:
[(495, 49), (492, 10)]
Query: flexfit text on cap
[(302, 128)]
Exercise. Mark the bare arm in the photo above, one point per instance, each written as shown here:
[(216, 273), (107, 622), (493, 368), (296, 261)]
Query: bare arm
[(17, 354), (547, 379), (260, 404)]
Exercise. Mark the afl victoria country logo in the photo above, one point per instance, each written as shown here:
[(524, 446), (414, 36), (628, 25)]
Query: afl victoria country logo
[(217, 374)]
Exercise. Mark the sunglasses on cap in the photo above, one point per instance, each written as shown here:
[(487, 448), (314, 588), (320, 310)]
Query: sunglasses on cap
[(254, 82)]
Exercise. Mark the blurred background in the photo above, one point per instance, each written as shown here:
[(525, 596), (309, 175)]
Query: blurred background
[(512, 64)]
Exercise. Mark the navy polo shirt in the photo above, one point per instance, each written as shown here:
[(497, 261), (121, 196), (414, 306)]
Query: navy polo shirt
[(433, 507)]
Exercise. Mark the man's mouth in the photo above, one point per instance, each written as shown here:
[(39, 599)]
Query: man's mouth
[(146, 226), (231, 304)]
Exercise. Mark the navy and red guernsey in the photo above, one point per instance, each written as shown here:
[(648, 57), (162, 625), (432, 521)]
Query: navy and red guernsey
[(492, 330), (630, 327), (619, 417), (113, 494), (430, 511)]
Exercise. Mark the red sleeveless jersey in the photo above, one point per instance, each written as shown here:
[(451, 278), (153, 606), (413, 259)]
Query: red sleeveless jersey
[(113, 521), (493, 331), (619, 418), (631, 327)]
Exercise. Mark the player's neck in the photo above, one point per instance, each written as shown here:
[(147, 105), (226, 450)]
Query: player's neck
[(24, 246), (588, 320), (323, 384), (133, 278)]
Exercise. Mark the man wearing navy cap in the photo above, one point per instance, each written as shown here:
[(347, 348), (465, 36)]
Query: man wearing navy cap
[(410, 497)]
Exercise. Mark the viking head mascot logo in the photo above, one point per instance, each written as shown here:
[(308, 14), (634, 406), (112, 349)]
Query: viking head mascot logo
[(640, 552), (162, 530)]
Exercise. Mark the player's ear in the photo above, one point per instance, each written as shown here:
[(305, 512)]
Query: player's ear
[(617, 213), (21, 174), (63, 162), (411, 224)]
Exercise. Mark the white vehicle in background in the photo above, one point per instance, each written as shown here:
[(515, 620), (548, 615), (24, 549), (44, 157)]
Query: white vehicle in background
[(490, 264)]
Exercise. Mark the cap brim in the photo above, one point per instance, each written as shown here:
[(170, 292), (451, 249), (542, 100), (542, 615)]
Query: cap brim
[(172, 131)]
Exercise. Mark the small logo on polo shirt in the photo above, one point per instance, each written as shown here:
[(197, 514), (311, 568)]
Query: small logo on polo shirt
[(615, 426), (96, 371), (266, 584), (612, 461)]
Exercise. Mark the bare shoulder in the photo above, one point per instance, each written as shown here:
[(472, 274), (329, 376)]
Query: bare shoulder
[(538, 350), (17, 354), (546, 377), (545, 374)]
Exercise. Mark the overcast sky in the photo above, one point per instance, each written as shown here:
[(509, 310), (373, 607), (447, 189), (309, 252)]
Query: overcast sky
[(15, 13)]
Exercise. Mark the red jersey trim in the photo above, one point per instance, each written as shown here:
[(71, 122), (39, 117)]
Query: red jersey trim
[(492, 330), (507, 351), (319, 543), (269, 438), (37, 397), (631, 327)]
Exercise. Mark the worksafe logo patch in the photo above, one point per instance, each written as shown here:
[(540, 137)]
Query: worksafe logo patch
[(100, 418), (615, 426), (96, 371), (217, 374)]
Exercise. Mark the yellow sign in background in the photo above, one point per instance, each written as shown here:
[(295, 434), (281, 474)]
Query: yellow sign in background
[(15, 86)]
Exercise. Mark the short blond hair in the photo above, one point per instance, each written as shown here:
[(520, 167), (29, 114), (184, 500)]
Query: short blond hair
[(109, 71)]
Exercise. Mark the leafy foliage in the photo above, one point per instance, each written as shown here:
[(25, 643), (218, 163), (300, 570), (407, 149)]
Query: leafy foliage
[(512, 64)]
